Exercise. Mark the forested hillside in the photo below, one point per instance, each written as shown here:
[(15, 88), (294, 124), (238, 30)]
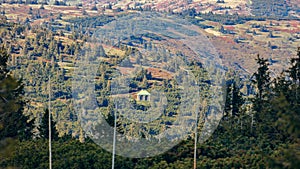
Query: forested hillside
[(266, 136), (270, 8), (43, 48)]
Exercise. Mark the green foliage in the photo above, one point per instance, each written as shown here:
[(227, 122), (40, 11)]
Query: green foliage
[(275, 8), (269, 139), (66, 154), (44, 127), (229, 19), (233, 145), (261, 80), (91, 22), (234, 99), (12, 121), (285, 101)]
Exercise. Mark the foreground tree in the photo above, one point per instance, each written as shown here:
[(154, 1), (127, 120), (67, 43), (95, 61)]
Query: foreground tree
[(263, 118), (12, 121), (286, 104), (261, 80), (44, 127)]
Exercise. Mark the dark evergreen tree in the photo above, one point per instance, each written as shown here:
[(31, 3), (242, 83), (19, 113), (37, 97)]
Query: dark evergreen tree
[(12, 121), (294, 74), (286, 102), (261, 80), (237, 100), (262, 122), (44, 127), (287, 108), (234, 99), (228, 101)]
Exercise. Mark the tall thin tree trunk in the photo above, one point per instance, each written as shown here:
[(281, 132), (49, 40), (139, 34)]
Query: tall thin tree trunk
[(114, 139), (49, 122), (252, 121), (195, 144)]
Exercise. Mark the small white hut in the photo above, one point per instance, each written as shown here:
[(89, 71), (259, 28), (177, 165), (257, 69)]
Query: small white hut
[(143, 95)]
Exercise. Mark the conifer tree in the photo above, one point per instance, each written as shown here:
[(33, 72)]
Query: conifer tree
[(294, 74), (44, 127), (262, 83), (228, 100), (237, 99), (286, 106), (263, 118), (12, 121), (286, 101)]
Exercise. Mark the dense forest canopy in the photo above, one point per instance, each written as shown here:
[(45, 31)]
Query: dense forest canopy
[(259, 126)]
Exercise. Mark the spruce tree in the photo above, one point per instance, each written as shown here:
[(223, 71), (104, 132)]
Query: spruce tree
[(286, 106), (237, 100), (294, 74), (44, 127), (12, 121), (263, 118), (228, 101), (261, 80), (286, 103)]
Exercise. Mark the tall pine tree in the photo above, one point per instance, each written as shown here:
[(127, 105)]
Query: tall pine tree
[(286, 105), (261, 80), (12, 121), (44, 127)]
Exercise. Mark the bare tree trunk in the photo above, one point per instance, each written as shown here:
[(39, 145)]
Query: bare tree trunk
[(114, 139), (49, 122), (252, 122), (195, 144)]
